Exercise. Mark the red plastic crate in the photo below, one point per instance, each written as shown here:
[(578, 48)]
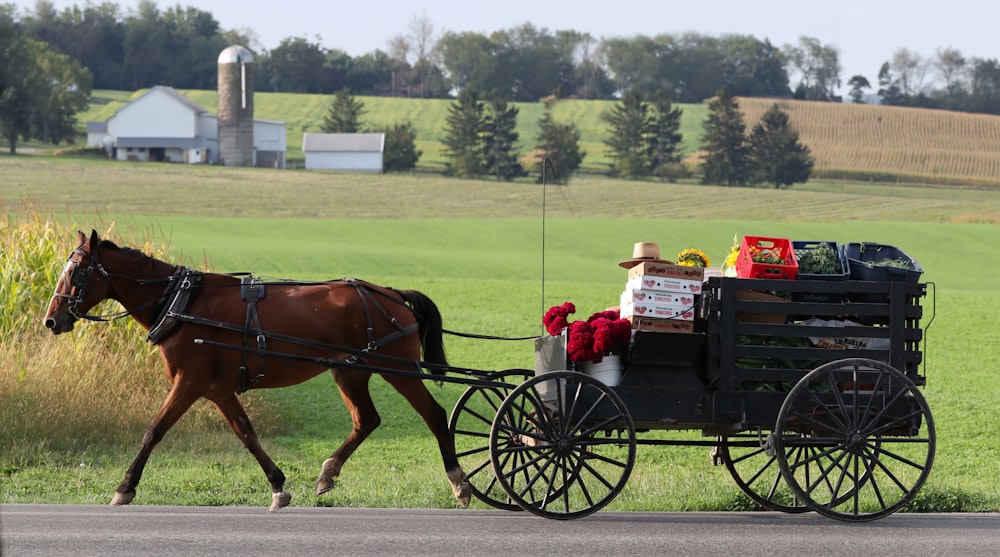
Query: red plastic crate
[(746, 267)]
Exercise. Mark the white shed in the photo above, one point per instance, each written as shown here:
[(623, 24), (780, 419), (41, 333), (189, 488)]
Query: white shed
[(360, 152)]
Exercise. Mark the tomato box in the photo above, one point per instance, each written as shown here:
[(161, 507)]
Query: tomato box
[(641, 295), (667, 270), (664, 284), (654, 325), (660, 311)]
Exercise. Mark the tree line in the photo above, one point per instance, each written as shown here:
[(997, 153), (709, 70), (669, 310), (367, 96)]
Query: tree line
[(178, 46), (480, 140)]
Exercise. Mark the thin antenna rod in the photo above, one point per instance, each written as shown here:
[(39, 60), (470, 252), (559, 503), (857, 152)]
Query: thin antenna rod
[(543, 236)]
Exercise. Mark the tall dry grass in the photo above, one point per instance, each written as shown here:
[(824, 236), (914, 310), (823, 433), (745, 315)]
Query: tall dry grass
[(95, 388)]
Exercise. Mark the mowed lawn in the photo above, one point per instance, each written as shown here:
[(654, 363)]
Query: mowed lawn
[(493, 264)]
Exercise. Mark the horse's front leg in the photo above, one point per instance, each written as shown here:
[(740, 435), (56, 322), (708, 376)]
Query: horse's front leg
[(436, 419), (237, 417), (177, 403)]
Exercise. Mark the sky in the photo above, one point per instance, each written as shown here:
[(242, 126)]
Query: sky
[(866, 33)]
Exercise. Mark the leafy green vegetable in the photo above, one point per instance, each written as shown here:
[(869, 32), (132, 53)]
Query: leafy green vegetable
[(819, 260), (899, 263)]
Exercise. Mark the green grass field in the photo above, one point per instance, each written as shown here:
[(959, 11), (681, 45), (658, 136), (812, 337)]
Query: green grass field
[(484, 254)]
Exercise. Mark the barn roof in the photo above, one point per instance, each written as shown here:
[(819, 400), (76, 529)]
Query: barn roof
[(343, 142)]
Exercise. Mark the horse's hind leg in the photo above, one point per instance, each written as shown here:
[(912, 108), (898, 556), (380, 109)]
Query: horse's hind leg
[(436, 419), (353, 387), (237, 417)]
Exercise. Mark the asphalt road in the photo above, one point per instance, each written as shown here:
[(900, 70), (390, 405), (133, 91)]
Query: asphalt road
[(81, 530)]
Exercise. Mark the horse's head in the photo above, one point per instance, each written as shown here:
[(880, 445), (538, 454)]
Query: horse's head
[(81, 286)]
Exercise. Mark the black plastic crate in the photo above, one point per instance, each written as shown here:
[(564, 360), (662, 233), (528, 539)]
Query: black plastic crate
[(862, 256)]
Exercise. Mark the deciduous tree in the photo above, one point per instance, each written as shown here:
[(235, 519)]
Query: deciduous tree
[(858, 84)]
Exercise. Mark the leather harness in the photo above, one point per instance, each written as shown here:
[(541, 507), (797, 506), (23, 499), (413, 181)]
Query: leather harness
[(252, 289)]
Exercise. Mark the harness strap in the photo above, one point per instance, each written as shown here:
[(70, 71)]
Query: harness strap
[(174, 300), (252, 290), (369, 301)]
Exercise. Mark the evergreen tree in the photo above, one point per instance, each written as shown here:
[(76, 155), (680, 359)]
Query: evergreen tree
[(663, 138), (499, 140), (724, 143), (344, 115), (628, 124), (401, 152), (778, 157), (560, 144), (461, 143)]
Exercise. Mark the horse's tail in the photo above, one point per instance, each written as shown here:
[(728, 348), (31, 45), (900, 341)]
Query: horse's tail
[(431, 328)]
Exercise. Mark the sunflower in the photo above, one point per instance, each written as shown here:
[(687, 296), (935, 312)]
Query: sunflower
[(693, 258)]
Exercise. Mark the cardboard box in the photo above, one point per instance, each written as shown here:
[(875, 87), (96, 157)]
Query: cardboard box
[(664, 284), (660, 325), (641, 295), (660, 311), (667, 270), (760, 317)]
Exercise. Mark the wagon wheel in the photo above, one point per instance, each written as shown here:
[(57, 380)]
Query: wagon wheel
[(562, 445), (470, 424), (751, 461), (873, 437)]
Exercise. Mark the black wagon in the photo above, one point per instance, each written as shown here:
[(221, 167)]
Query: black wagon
[(807, 391)]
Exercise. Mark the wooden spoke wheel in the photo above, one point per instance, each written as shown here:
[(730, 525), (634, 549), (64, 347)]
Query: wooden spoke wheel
[(751, 461), (470, 424), (562, 445), (870, 436)]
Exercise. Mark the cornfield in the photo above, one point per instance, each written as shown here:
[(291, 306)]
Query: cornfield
[(887, 143), (97, 386)]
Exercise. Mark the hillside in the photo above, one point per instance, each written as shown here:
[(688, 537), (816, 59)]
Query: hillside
[(887, 143), (864, 142)]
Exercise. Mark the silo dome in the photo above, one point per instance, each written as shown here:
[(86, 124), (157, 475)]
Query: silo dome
[(236, 54), (235, 115)]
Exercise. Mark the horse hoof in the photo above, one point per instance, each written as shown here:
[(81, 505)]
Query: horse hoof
[(122, 499), (324, 484), (279, 501), (464, 495)]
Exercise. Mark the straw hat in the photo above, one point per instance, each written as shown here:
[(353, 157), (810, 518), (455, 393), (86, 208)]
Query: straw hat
[(643, 252)]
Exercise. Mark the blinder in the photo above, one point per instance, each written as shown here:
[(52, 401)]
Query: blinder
[(78, 278)]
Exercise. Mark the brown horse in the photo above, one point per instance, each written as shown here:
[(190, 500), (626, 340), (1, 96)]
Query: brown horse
[(344, 321)]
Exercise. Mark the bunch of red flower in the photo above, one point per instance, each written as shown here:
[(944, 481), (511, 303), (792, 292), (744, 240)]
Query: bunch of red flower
[(602, 334), (555, 319)]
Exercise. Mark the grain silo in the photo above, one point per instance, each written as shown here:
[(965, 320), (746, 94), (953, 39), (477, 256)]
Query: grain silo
[(236, 107)]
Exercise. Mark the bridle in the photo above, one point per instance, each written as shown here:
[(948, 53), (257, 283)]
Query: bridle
[(78, 278)]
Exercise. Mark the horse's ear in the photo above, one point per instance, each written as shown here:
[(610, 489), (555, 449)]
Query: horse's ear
[(94, 239), (81, 237)]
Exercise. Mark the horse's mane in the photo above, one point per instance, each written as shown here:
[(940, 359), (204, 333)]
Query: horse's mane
[(108, 244)]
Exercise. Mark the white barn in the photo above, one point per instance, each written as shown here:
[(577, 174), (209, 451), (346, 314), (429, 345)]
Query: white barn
[(359, 152), (164, 125)]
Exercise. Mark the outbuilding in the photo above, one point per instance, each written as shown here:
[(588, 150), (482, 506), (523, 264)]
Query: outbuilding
[(358, 152), (164, 125)]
